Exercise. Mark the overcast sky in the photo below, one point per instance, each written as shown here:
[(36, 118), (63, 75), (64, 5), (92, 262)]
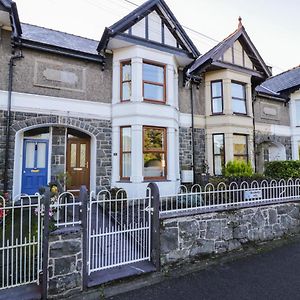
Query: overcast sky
[(273, 25)]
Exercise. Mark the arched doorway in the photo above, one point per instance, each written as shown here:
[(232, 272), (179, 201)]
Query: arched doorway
[(269, 151), (53, 152)]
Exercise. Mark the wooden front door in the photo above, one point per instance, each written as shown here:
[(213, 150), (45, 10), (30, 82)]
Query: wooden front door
[(78, 163)]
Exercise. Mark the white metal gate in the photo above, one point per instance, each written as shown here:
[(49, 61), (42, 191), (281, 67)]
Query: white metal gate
[(20, 241), (119, 230)]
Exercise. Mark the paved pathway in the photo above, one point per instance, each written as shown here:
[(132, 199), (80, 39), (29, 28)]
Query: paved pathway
[(269, 275)]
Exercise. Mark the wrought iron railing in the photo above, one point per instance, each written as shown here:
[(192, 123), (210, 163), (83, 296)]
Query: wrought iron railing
[(229, 196)]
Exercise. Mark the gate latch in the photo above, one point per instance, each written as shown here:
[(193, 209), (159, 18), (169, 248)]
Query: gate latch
[(149, 209)]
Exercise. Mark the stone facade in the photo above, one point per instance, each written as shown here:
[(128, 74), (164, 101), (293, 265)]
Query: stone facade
[(58, 158), (64, 264), (185, 238), (42, 73), (269, 111), (185, 149), (99, 129)]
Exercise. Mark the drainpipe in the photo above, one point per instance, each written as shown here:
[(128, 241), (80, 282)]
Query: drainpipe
[(8, 119), (254, 134), (193, 137)]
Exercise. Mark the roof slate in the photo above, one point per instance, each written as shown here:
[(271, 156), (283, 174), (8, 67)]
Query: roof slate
[(281, 82), (6, 3), (60, 39)]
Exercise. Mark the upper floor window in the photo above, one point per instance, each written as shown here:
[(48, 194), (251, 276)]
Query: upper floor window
[(155, 150), (125, 163), (216, 97), (218, 153), (154, 82), (238, 94), (240, 147), (125, 81)]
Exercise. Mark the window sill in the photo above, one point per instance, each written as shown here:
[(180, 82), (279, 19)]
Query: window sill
[(124, 181), (241, 115), (217, 114), (155, 101), (156, 180)]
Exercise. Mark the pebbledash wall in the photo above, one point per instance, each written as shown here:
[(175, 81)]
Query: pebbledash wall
[(99, 130), (187, 238)]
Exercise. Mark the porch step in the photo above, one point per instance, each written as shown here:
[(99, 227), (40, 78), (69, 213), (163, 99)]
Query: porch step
[(23, 292), (115, 273)]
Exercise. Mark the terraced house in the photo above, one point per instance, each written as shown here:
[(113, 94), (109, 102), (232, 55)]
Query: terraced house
[(140, 104)]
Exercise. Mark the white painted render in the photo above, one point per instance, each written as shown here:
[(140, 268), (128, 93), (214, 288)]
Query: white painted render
[(136, 113), (295, 128), (33, 103)]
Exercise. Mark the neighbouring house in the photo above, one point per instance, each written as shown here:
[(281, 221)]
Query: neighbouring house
[(230, 71), (139, 105), (278, 117)]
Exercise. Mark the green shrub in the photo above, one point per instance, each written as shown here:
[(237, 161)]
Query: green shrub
[(238, 168), (283, 169)]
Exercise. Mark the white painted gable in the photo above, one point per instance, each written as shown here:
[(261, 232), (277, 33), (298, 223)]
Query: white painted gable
[(237, 55), (154, 32)]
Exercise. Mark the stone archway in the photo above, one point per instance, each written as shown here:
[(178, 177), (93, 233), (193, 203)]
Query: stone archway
[(98, 130), (269, 151)]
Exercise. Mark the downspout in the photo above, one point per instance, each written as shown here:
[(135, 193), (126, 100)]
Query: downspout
[(8, 119), (254, 134), (193, 127)]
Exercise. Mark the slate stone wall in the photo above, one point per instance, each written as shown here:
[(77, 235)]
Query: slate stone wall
[(186, 152), (100, 129), (64, 264), (58, 159), (185, 238)]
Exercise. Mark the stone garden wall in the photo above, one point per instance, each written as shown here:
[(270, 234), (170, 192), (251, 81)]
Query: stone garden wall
[(185, 238)]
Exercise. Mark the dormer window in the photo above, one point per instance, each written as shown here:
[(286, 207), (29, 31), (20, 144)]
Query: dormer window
[(154, 85), (125, 81), (238, 93)]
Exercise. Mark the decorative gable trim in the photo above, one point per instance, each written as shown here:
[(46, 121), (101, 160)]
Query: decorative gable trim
[(168, 22), (214, 56)]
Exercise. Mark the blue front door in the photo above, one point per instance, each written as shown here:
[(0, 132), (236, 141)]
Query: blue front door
[(35, 165)]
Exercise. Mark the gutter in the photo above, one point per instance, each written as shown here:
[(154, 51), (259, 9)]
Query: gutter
[(61, 51), (8, 119)]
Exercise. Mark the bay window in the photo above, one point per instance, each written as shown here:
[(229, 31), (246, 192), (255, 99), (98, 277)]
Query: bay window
[(125, 91), (216, 97), (240, 147), (154, 86), (154, 151), (125, 161), (218, 153), (238, 94)]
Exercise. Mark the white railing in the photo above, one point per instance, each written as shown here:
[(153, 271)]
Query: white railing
[(65, 209), (228, 196), (20, 241), (119, 230)]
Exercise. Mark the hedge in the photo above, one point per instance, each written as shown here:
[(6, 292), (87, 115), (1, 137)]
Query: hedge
[(237, 168), (283, 169)]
